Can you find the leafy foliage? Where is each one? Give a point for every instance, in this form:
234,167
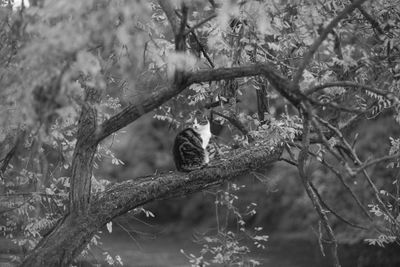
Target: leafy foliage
54,53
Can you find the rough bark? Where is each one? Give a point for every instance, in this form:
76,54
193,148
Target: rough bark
85,148
73,233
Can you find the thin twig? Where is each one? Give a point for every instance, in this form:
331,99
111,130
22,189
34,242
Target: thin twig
334,212
375,161
191,29
291,162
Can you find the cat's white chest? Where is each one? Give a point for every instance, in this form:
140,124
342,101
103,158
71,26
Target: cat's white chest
205,137
204,131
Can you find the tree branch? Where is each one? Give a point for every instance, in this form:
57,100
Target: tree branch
302,161
371,20
82,159
314,47
334,212
236,123
133,193
172,18
10,154
73,232
360,163
191,29
375,161
155,99
386,94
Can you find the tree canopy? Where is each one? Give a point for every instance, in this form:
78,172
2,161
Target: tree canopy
74,73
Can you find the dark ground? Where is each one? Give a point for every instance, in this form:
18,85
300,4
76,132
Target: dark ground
162,249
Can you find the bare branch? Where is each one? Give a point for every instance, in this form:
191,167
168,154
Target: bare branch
309,55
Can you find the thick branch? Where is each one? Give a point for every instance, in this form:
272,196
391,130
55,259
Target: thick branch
82,160
172,18
73,232
135,111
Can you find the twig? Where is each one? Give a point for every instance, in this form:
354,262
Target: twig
375,161
291,162
235,122
191,29
346,186
333,212
203,50
201,46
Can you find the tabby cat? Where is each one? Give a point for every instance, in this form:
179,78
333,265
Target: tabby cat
190,147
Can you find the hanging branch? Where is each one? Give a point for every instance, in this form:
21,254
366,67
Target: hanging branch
302,160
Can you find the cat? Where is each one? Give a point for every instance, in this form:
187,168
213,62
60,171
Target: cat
190,147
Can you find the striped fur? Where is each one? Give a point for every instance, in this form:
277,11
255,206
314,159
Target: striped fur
188,151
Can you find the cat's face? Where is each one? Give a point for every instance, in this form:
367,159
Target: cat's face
201,125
